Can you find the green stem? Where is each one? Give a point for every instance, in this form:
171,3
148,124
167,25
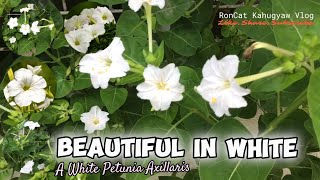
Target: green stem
312,66
27,135
55,59
48,142
5,109
149,22
177,123
188,13
308,67
295,105
138,71
278,103
247,79
25,17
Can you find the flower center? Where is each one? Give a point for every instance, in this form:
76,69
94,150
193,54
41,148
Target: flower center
213,100
96,121
107,62
227,84
104,17
77,42
162,86
26,87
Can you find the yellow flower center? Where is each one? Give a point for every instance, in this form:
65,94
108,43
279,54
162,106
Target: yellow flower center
77,42
213,100
96,121
162,86
227,84
26,87
104,17
108,62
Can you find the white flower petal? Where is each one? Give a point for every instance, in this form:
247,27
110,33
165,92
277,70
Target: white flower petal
161,86
219,87
41,166
12,23
32,125
135,5
27,168
25,29
35,28
79,40
159,3
94,120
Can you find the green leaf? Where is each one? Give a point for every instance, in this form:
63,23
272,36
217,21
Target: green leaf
64,86
191,99
172,11
109,2
315,164
87,99
258,33
159,55
208,48
77,110
192,175
77,9
203,15
113,98
133,32
287,37
25,46
154,126
235,169
81,81
314,102
250,111
60,41
50,115
183,38
168,115
276,82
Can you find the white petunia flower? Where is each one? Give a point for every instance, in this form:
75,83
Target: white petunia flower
161,86
26,9
95,30
31,125
27,168
89,13
35,70
31,6
25,29
76,22
106,64
135,5
12,40
41,166
12,23
79,40
219,87
35,28
95,119
103,15
27,88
